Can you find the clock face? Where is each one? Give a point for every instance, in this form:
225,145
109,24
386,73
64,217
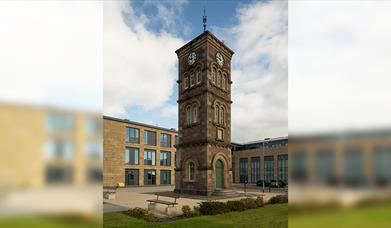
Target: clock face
219,59
191,58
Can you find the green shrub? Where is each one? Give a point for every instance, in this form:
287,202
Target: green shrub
259,201
196,211
213,208
249,203
140,213
236,205
187,211
279,199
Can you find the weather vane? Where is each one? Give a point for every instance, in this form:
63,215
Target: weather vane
204,19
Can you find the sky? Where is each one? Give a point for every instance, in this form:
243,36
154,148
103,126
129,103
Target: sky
140,64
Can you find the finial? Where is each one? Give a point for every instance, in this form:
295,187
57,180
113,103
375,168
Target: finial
204,19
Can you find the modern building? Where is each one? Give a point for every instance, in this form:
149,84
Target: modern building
44,146
260,160
353,159
137,154
204,162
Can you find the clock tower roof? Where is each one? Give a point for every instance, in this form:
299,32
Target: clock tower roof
204,34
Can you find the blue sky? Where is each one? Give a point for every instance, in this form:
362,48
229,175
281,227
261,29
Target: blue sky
140,64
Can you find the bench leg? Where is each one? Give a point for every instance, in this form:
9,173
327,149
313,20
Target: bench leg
170,211
151,206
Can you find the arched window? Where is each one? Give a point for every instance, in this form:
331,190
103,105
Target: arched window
219,79
188,115
224,82
221,120
186,82
216,113
192,79
195,113
191,171
198,76
214,75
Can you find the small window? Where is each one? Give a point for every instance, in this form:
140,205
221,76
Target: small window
214,75
150,138
192,80
191,171
131,156
132,135
199,76
165,158
188,115
216,113
195,113
219,79
221,119
224,82
220,134
149,157
186,82
165,140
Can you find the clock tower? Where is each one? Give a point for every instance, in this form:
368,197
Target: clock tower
203,158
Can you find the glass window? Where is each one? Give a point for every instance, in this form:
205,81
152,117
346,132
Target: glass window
186,82
165,177
269,168
198,76
192,80
93,125
353,166
299,166
165,140
132,135
243,164
324,166
149,177
149,157
219,79
224,82
217,113
282,163
60,122
188,115
58,174
59,149
221,119
131,176
214,75
381,165
191,171
94,149
131,156
150,138
255,169
165,158
195,113
220,134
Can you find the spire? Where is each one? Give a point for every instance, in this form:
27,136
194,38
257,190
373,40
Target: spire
204,19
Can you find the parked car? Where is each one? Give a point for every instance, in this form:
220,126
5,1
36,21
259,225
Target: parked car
277,184
259,183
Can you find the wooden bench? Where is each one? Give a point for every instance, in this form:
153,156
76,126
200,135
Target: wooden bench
170,210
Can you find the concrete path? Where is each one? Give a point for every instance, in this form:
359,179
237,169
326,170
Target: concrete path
127,198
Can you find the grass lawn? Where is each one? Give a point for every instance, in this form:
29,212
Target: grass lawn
275,215
45,222
365,216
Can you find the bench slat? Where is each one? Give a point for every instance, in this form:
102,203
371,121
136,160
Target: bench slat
162,202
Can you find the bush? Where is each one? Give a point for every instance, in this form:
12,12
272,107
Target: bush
196,211
140,213
187,211
213,208
236,205
259,201
249,203
279,199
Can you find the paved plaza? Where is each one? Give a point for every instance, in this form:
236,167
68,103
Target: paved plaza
127,198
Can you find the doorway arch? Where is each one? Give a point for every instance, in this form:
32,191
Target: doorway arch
219,174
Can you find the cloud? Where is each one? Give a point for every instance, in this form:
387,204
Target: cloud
51,54
139,65
339,64
259,71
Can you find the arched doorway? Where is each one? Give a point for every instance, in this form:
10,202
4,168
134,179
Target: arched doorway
219,171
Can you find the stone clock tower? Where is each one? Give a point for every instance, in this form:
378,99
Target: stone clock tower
203,158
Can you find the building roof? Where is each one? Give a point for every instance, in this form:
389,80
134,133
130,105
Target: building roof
201,35
138,123
262,140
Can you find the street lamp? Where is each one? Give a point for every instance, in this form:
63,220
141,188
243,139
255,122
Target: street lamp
263,157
